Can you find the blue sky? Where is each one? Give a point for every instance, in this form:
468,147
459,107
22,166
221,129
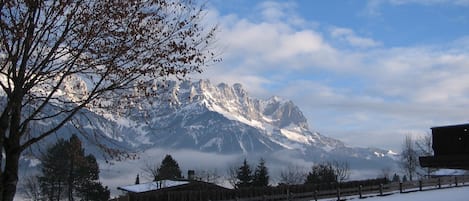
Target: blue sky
367,72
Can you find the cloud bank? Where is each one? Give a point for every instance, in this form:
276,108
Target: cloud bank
350,86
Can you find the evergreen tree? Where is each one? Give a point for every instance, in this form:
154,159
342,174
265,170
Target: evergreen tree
261,175
404,178
396,178
95,191
322,173
88,185
244,176
169,169
54,180
68,173
137,180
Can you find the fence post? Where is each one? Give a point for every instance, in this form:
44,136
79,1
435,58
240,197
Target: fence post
420,185
315,195
456,180
338,193
439,182
400,187
360,191
381,189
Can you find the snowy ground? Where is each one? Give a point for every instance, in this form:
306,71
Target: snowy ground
447,194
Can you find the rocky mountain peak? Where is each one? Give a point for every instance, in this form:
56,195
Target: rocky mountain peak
222,119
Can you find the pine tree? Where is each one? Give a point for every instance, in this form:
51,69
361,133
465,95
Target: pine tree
322,173
244,176
95,191
68,173
169,169
261,175
396,178
137,180
88,185
54,180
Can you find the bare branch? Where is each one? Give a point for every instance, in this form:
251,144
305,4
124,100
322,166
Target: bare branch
58,58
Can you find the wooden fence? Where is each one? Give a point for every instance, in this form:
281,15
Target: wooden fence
361,191
358,189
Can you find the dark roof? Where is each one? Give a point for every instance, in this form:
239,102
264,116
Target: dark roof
451,126
151,186
447,162
171,185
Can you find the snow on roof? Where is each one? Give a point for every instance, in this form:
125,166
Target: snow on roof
445,172
151,186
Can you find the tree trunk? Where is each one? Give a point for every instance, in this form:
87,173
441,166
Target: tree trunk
70,180
12,147
10,176
4,124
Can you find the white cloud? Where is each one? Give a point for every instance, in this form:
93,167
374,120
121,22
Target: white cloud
365,91
431,2
373,6
349,36
274,10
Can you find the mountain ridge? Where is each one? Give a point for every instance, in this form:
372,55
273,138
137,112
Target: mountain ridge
225,119
219,119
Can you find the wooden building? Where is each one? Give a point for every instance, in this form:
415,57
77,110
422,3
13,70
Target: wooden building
172,190
450,146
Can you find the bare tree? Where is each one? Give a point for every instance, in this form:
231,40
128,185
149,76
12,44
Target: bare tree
150,170
386,173
424,148
341,169
113,52
232,175
293,175
31,187
409,157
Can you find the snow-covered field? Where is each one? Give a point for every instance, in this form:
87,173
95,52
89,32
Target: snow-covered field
447,194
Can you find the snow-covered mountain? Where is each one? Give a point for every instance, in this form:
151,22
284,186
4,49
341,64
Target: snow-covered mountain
206,126
224,119
220,119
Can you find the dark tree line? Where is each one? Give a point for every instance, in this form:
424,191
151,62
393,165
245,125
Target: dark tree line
321,173
328,172
67,173
246,177
169,169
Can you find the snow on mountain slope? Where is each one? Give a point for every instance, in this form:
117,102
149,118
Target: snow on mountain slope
226,120
218,119
200,114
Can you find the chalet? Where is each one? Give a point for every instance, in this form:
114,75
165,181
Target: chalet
172,190
450,146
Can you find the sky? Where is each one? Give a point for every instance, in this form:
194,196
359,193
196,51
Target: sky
367,72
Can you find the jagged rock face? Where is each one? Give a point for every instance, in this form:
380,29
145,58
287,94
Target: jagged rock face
224,119
220,119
